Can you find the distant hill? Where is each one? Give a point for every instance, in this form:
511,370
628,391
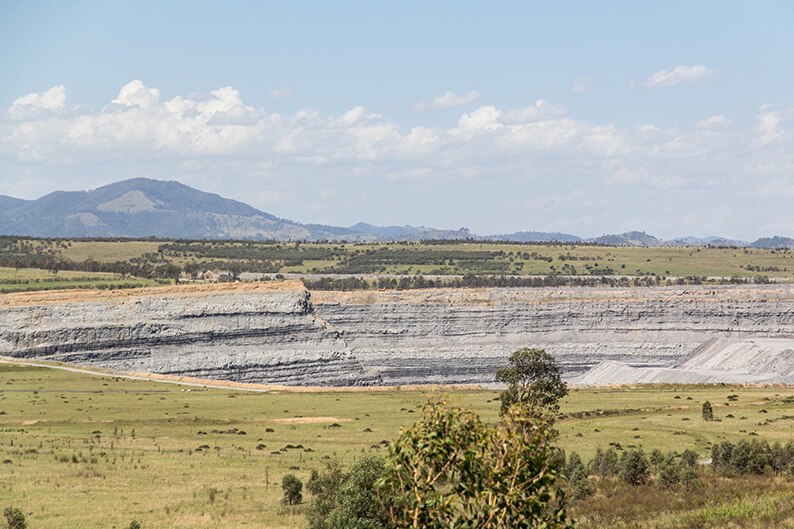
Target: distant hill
705,241
411,233
534,236
630,238
773,242
9,203
142,207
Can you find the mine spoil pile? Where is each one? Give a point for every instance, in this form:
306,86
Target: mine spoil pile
279,333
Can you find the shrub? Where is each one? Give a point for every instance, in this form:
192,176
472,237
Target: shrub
292,487
708,411
691,479
350,499
669,472
574,463
580,486
15,518
689,457
634,469
604,463
656,458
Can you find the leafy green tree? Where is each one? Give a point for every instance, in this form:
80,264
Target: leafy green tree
533,379
292,487
634,468
134,525
574,463
345,500
721,456
689,457
324,487
604,463
580,485
708,411
15,518
691,479
576,474
452,470
669,472
656,458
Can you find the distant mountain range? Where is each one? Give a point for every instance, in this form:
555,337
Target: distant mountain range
142,207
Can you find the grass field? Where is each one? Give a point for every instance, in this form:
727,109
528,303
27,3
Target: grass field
25,279
97,452
109,251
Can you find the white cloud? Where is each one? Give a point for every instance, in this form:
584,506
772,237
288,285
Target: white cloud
135,94
678,75
452,100
279,93
34,103
579,85
768,122
712,122
482,120
531,151
541,111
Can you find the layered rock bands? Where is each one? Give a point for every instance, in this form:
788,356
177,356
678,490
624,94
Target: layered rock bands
280,333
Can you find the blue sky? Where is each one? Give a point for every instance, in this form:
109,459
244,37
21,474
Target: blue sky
586,117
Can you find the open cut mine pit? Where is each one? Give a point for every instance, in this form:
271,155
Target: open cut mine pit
280,333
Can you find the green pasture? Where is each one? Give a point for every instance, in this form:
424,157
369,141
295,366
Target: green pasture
517,259
459,258
98,451
29,279
108,251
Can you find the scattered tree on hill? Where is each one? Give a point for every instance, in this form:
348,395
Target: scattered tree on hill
533,379
292,487
708,411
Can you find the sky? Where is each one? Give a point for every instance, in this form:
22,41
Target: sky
584,117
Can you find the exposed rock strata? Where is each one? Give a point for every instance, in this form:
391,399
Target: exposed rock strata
464,335
278,334
256,333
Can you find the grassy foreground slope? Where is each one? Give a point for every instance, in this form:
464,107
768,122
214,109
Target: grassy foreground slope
97,452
